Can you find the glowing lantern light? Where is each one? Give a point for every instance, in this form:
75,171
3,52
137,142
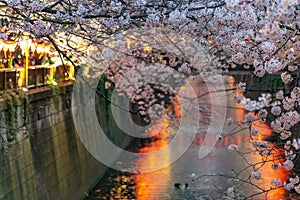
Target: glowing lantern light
1,44
147,49
128,43
22,45
5,47
25,45
47,48
111,46
33,47
11,46
40,48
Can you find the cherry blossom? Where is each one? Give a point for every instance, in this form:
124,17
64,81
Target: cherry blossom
279,95
288,186
294,180
295,95
285,135
275,167
288,165
286,78
287,145
238,98
254,132
276,182
233,148
230,192
249,118
276,110
262,114
256,175
229,122
296,143
273,66
292,68
297,188
241,87
288,103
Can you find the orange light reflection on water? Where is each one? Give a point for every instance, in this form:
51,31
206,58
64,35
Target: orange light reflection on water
268,173
145,187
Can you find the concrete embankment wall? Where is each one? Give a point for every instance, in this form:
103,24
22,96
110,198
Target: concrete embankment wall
50,162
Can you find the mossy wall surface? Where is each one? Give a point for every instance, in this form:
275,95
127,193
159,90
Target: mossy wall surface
50,162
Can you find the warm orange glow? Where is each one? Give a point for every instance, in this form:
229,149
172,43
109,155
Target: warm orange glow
47,48
10,46
111,46
71,71
25,44
128,43
172,39
33,46
242,140
249,40
144,181
40,48
177,110
268,173
93,48
21,78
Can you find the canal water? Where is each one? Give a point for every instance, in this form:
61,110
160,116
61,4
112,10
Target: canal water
190,177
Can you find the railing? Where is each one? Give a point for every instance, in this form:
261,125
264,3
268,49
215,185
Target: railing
15,78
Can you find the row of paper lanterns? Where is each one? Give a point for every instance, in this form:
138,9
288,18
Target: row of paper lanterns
23,44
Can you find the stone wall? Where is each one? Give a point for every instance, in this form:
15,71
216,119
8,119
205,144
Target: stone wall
50,162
